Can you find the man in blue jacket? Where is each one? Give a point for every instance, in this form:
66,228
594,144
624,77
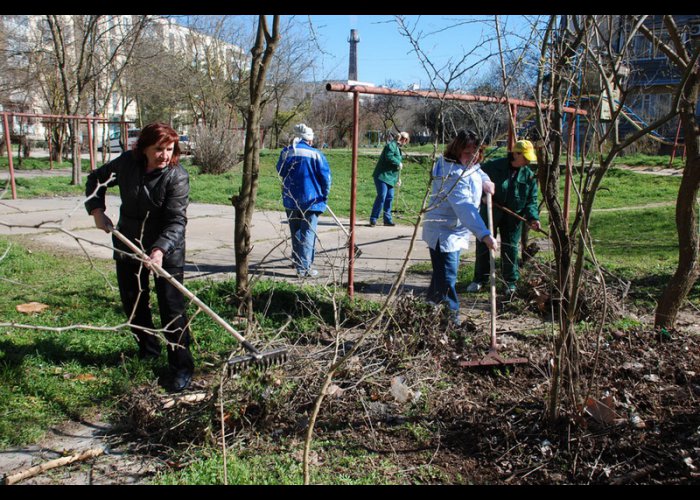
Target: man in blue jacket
306,183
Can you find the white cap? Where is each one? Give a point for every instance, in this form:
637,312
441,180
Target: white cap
304,132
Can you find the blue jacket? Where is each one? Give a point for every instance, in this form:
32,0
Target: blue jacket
453,212
306,178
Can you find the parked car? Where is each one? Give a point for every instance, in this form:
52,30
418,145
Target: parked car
115,142
186,146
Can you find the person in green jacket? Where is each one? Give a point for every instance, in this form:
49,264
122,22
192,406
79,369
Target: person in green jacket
516,190
386,176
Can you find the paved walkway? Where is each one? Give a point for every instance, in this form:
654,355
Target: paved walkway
57,222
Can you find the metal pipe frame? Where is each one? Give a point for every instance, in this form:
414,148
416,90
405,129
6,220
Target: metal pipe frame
363,89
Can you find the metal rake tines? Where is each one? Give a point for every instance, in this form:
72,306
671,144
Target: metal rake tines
262,360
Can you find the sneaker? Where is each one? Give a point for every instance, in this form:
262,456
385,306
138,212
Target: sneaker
308,273
390,223
372,223
474,287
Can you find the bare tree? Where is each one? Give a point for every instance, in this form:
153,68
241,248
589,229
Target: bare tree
683,57
262,52
581,56
83,47
291,95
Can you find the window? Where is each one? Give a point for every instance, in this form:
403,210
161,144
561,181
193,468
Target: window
641,47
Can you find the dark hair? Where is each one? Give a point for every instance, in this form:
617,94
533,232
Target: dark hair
464,138
157,133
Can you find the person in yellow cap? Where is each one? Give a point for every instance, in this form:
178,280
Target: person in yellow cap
516,190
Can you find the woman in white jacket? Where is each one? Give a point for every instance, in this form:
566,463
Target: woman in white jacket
453,214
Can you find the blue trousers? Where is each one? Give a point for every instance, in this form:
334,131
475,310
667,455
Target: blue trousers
385,196
444,279
303,225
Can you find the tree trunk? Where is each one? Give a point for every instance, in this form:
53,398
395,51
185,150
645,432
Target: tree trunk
688,268
244,203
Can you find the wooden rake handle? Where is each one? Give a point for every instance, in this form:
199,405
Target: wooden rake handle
171,279
519,217
492,273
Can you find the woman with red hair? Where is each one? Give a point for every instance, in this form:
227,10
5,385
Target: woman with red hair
154,191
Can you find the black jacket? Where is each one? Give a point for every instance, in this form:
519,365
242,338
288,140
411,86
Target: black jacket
153,212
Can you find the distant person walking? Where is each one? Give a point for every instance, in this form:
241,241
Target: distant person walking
457,183
516,190
306,183
386,177
154,191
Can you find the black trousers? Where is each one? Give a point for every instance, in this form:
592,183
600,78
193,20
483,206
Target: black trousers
133,280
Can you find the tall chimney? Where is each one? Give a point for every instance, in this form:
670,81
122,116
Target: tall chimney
354,40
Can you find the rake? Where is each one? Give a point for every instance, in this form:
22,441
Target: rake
255,358
357,249
492,358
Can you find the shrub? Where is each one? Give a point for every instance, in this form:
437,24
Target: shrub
216,148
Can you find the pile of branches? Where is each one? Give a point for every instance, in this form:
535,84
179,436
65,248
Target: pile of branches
601,296
403,368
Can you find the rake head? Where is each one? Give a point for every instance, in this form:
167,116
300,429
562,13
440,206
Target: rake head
262,360
492,359
358,252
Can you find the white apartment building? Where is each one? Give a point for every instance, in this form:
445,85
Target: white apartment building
26,44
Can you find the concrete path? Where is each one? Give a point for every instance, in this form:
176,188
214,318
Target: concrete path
62,223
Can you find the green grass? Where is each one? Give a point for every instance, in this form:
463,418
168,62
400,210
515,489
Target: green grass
339,465
641,159
49,376
621,188
43,164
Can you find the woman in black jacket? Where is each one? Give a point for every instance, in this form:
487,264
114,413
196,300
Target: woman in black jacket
154,191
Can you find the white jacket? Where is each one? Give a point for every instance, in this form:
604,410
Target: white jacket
453,211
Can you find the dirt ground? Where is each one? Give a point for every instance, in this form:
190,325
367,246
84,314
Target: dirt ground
436,421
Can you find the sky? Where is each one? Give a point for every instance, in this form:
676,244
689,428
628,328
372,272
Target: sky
385,54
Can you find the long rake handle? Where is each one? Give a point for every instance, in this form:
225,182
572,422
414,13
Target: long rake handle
356,249
171,279
337,221
492,274
519,217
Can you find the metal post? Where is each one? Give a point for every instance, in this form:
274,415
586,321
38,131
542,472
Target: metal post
353,191
8,143
90,145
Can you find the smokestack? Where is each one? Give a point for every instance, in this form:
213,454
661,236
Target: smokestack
354,40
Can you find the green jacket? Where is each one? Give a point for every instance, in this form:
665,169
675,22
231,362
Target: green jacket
521,198
387,169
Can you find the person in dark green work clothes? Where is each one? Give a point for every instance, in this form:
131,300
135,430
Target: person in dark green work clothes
386,176
516,190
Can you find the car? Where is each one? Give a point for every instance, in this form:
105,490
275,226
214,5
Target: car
186,146
115,143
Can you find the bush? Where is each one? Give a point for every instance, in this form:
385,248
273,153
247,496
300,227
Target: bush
216,149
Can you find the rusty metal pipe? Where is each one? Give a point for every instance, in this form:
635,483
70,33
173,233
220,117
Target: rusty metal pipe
363,89
8,143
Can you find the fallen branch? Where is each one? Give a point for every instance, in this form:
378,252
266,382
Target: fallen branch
635,475
52,464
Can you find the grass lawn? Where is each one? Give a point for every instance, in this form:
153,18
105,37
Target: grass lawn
48,376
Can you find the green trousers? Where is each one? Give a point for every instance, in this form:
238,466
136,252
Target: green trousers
509,228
